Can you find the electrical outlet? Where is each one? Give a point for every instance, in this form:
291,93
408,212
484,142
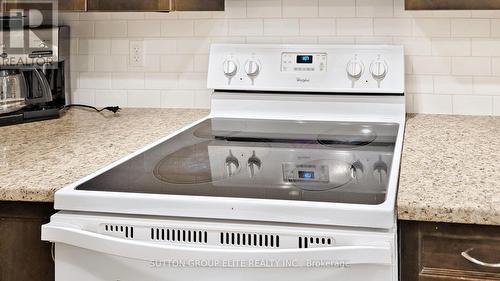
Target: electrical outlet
136,53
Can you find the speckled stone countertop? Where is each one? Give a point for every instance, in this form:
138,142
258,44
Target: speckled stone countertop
37,159
450,170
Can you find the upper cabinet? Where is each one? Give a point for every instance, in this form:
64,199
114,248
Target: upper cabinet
126,5
452,4
129,5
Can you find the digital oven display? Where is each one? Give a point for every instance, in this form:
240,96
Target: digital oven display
304,59
306,175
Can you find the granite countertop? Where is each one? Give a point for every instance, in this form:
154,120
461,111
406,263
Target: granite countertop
450,170
37,159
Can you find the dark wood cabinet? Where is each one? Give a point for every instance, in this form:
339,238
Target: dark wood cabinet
452,4
23,256
123,5
433,251
199,5
129,5
73,5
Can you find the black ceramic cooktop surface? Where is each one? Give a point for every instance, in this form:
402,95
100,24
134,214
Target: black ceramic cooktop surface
320,161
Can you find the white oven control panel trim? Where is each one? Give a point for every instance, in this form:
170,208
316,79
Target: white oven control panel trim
350,69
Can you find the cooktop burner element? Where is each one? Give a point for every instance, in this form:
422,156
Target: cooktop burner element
188,165
267,159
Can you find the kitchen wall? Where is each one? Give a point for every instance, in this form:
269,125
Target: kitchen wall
452,57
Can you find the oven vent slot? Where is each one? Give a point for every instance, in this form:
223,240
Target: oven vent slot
249,239
314,242
179,235
120,230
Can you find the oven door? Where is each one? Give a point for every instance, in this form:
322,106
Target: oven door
82,255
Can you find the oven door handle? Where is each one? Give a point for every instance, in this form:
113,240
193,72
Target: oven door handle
140,250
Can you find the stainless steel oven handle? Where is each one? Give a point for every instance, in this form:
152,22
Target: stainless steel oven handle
468,257
141,250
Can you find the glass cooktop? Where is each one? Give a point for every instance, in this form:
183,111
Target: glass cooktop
319,161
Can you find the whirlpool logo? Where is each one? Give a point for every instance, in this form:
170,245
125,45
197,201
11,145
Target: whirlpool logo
303,80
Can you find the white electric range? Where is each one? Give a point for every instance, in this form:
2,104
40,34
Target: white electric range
292,176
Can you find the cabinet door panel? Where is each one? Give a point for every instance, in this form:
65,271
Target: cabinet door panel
199,5
452,4
433,251
72,5
128,5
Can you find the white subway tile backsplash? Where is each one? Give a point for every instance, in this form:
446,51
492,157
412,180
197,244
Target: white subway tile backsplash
94,46
264,8
83,96
127,80
178,98
177,63
451,47
281,27
353,27
452,85
160,46
317,27
300,8
415,46
144,98
107,63
432,104
374,8
246,27
110,29
81,29
177,28
487,85
470,27
143,28
193,81
160,81
471,66
120,46
94,80
211,27
431,65
420,84
473,105
452,57
496,106
111,98
81,63
485,47
431,27
392,27
337,8
193,46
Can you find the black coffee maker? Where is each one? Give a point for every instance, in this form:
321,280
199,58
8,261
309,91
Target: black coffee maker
34,73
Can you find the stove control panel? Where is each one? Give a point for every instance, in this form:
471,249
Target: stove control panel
350,69
300,62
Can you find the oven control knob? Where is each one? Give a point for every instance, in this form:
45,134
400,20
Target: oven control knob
230,68
379,69
252,68
232,164
254,165
355,69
